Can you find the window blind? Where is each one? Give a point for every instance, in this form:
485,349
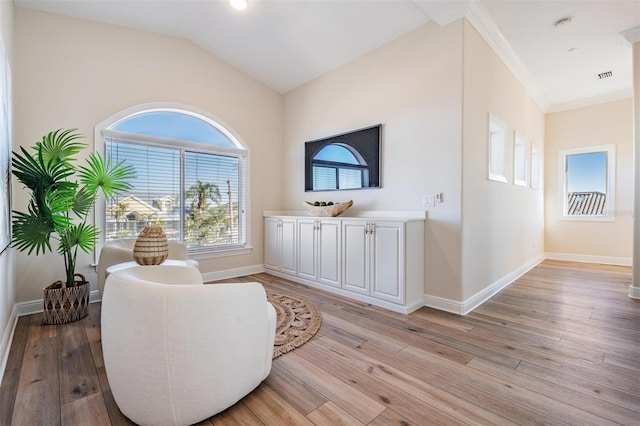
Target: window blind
197,197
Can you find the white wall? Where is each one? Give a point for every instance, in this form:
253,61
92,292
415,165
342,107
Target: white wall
502,222
604,124
76,73
413,86
7,275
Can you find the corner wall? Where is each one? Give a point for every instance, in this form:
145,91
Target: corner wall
602,242
502,223
75,73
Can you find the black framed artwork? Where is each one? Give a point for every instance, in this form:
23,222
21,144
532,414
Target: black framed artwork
346,161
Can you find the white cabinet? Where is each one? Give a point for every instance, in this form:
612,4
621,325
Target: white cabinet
319,250
373,259
377,261
280,244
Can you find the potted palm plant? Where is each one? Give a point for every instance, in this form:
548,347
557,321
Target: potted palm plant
62,196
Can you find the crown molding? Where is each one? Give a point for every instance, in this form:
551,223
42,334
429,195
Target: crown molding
478,16
595,100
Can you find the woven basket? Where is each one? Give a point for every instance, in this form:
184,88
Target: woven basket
329,211
68,304
151,247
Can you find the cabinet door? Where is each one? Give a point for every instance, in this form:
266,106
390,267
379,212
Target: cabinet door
387,254
271,244
288,246
355,251
307,248
329,252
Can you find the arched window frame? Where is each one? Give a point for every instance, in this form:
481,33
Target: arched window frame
104,131
337,166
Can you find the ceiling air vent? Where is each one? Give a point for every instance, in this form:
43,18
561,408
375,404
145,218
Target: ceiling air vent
605,75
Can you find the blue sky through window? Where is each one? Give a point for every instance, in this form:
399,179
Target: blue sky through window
587,172
336,153
173,125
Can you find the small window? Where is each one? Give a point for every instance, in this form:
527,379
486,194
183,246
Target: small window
519,160
497,150
588,185
536,168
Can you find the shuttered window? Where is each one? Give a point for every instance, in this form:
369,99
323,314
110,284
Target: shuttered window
190,180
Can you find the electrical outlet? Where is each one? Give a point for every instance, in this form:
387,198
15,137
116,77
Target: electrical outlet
438,197
428,201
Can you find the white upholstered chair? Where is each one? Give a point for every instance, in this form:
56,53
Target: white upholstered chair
177,352
121,251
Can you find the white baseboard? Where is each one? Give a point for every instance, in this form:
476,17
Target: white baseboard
585,258
443,304
35,306
232,273
7,338
634,292
466,306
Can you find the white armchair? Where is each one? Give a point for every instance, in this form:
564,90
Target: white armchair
121,251
177,352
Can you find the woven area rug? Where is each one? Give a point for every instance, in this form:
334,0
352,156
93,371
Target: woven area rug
298,321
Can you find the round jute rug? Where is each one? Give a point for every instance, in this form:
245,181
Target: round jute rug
298,321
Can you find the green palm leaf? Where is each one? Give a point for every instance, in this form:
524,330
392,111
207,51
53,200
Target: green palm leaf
81,235
103,175
60,146
34,173
59,202
31,232
83,200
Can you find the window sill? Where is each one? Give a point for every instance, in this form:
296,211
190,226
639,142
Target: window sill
587,218
213,254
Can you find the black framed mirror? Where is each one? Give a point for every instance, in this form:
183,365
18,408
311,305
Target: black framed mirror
344,162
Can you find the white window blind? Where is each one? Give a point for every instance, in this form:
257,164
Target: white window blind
197,197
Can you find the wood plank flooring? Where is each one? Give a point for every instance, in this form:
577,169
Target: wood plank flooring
559,346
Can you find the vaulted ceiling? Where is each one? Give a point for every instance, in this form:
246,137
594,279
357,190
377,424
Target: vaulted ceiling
556,48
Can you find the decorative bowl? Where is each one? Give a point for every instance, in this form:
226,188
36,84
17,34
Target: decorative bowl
328,211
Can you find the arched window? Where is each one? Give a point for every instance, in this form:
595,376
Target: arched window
190,177
339,166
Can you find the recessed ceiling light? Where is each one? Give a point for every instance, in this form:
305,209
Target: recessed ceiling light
563,21
238,4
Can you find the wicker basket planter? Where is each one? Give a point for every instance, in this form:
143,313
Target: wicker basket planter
328,211
68,304
151,247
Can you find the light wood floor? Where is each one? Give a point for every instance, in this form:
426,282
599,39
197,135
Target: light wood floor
559,346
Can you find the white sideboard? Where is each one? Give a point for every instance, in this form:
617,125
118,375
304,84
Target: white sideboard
377,260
